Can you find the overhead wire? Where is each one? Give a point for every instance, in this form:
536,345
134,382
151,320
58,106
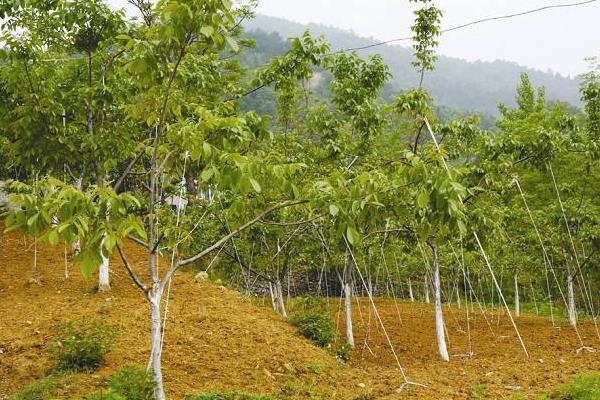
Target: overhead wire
401,39
476,22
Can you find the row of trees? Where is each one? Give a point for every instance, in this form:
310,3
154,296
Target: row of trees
109,126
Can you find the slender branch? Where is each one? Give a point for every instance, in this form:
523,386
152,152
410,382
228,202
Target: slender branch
579,270
138,240
131,272
416,143
109,64
242,264
386,231
232,234
121,179
294,234
160,238
306,221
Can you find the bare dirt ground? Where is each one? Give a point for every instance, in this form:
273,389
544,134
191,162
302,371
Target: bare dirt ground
218,340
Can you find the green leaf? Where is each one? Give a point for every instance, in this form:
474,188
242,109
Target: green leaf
422,199
207,30
53,237
255,185
333,210
207,174
233,43
32,219
109,243
352,235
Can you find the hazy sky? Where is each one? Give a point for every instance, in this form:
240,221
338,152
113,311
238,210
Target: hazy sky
557,39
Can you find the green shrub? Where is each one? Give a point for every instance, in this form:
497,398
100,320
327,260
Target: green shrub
133,383
81,345
317,327
342,352
228,396
40,389
584,387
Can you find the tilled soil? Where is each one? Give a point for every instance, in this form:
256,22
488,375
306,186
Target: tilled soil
216,340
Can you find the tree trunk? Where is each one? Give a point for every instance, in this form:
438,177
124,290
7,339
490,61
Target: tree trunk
426,289
76,246
517,300
156,339
458,299
571,300
347,282
190,186
280,302
273,303
103,274
439,316
410,291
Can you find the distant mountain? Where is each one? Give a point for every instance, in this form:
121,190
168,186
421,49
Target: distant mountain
458,84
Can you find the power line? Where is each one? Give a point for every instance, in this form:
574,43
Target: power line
453,28
476,22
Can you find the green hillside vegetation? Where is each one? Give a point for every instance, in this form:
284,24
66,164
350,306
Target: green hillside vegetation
455,83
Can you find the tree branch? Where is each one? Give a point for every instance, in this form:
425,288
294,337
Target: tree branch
307,221
130,271
121,179
232,234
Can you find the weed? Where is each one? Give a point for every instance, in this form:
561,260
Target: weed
317,327
40,389
133,383
315,367
342,352
584,387
81,345
479,391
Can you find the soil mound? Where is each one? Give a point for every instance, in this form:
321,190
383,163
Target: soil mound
217,340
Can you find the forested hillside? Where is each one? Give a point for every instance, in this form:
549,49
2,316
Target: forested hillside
457,84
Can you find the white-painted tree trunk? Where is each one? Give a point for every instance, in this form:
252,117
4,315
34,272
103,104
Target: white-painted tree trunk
517,300
103,273
426,288
156,339
439,316
571,300
273,303
347,278
410,291
280,302
76,246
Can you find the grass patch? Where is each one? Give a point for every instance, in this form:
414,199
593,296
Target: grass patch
81,345
584,387
40,389
479,391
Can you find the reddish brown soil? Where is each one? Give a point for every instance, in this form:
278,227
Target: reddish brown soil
218,340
